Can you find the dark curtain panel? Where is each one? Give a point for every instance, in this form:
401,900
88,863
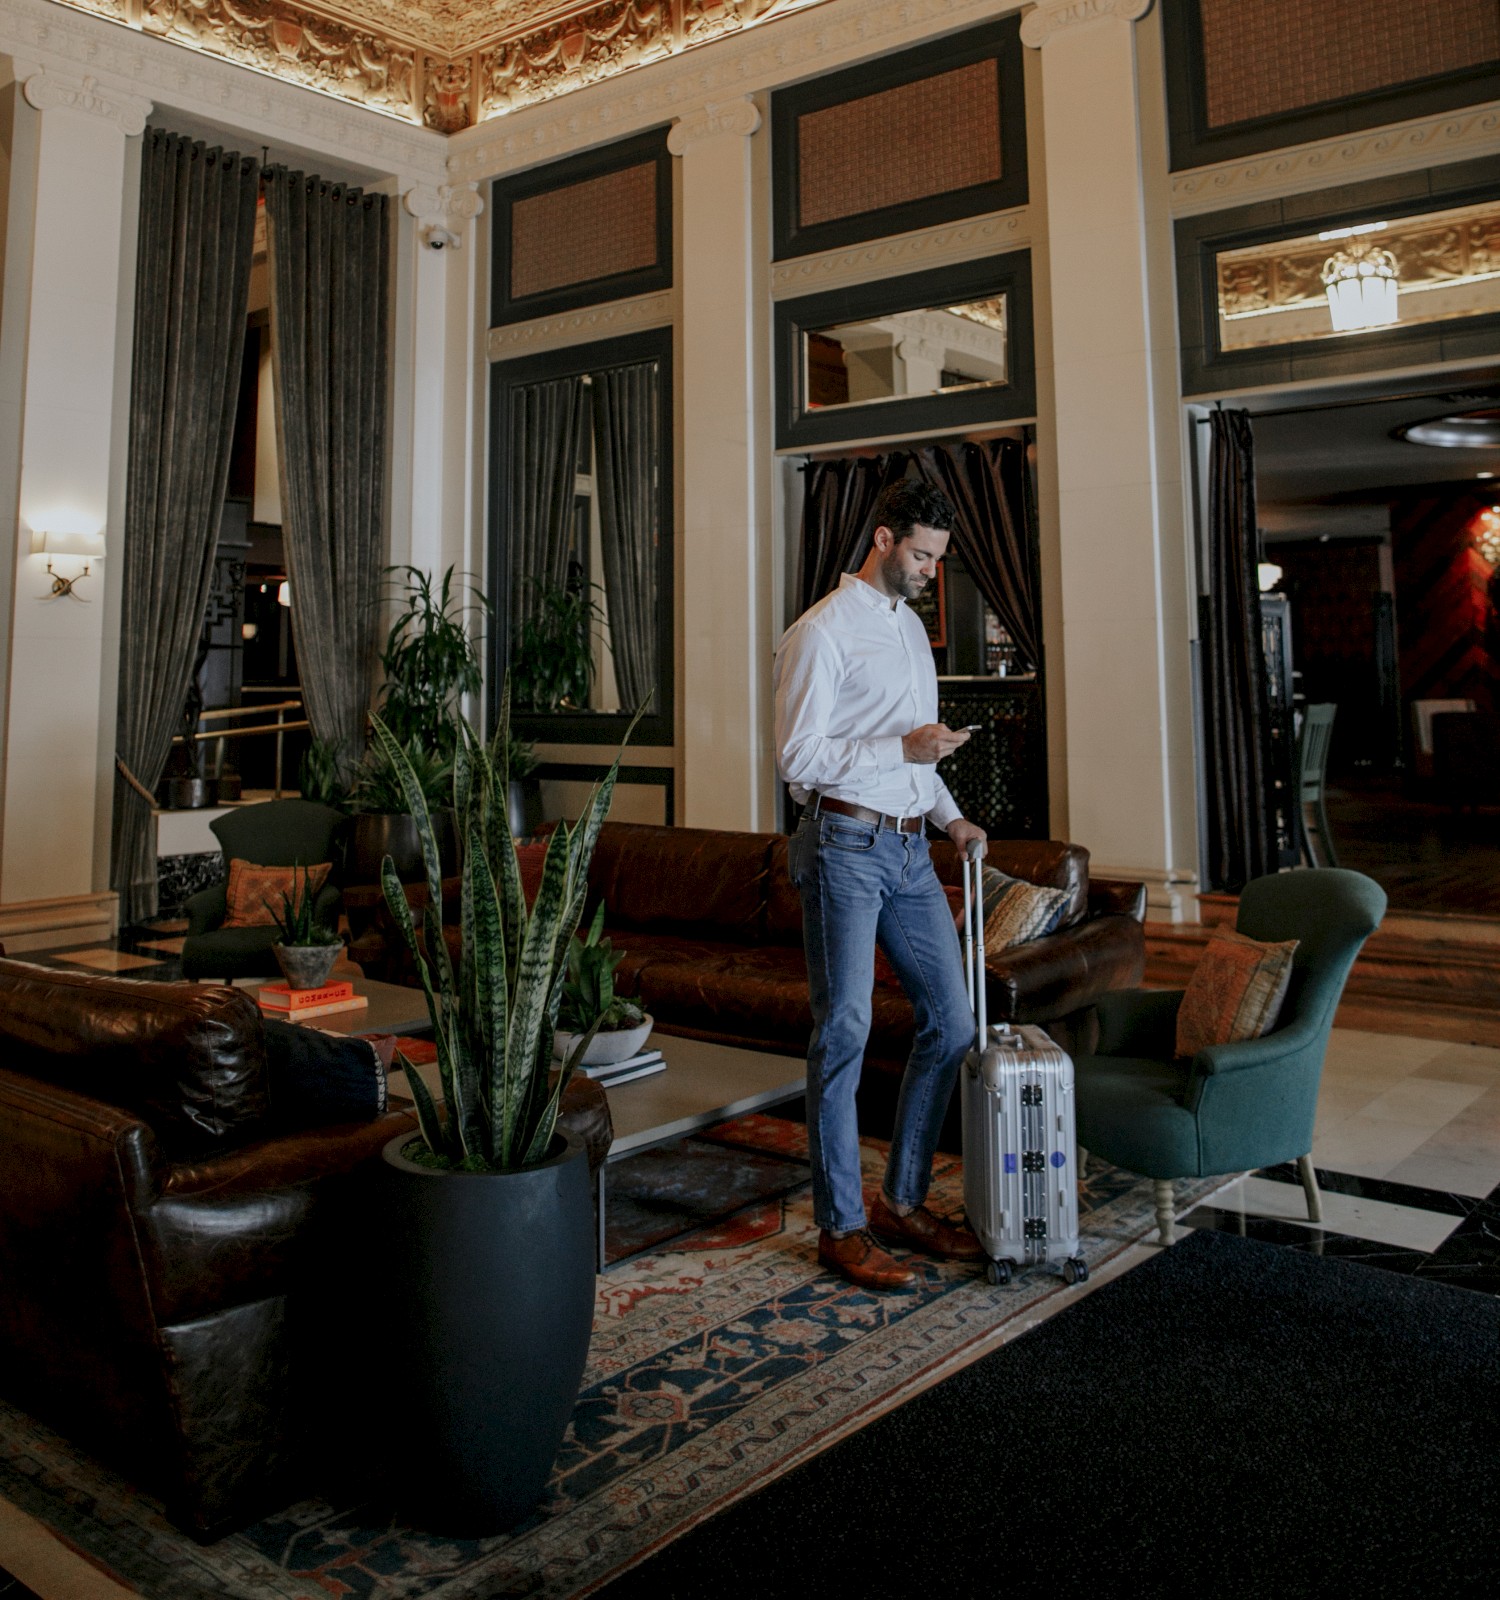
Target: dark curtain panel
1236,705
839,497
542,469
329,255
627,446
994,538
197,229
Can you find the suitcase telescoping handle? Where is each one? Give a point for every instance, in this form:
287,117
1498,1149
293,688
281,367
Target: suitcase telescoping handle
974,940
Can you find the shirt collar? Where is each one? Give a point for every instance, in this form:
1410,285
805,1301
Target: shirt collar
868,593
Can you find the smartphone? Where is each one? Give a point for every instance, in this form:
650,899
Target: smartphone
973,727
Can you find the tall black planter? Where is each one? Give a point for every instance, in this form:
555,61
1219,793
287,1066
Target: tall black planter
374,835
484,1307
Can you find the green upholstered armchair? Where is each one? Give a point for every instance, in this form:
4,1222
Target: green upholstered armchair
1232,1107
276,833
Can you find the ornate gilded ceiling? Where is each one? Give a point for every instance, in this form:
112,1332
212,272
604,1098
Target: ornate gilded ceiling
444,63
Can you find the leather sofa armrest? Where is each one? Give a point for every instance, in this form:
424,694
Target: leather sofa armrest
301,1157
1117,897
206,910
1051,977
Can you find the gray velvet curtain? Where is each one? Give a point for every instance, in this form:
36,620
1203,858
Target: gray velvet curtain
836,507
542,471
329,255
627,425
1241,840
197,230
995,536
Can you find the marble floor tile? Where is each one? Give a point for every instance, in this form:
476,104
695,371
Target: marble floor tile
171,946
1424,1102
1464,1063
1352,1215
1353,1048
1367,1146
105,960
1465,1160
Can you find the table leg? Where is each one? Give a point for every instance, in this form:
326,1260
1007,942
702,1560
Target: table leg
599,1219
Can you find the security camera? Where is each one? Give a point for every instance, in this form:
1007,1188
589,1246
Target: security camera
440,239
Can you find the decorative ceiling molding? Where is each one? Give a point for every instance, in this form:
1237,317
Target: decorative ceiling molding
970,240
801,44
1052,17
578,327
739,118
66,41
1349,158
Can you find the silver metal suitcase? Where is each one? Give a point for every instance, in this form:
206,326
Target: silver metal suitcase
1020,1152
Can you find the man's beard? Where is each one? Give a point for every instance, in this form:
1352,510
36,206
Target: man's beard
898,581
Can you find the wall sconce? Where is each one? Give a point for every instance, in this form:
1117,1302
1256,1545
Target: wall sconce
89,547
284,594
1268,575
1487,536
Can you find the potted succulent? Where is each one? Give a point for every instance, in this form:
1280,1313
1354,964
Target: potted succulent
486,1217
307,948
382,826
589,1003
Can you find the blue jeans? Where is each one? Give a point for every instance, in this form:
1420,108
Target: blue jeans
862,885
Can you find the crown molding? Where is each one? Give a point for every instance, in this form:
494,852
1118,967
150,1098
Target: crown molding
1349,158
1052,17
46,91
740,117
579,327
969,240
780,50
68,44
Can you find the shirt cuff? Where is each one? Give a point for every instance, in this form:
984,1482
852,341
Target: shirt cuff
888,752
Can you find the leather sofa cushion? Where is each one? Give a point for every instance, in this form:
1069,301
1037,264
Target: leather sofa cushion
188,1059
681,880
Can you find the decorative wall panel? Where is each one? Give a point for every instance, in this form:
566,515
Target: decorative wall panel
999,778
595,229
919,139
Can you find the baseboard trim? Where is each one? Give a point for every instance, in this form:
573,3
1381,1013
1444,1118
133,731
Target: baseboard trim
47,924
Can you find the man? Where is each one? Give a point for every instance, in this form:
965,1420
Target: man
858,741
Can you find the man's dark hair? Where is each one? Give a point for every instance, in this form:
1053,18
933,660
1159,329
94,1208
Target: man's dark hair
909,504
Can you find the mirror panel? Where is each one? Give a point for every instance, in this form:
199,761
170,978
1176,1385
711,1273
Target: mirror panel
903,354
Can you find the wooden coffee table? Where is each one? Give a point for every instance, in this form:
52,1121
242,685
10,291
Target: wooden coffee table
392,1009
704,1084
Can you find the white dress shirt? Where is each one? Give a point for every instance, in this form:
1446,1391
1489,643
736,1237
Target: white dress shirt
853,674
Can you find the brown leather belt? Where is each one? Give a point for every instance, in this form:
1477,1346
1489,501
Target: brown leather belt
821,802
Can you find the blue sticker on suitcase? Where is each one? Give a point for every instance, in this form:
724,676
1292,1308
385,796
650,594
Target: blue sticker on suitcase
1059,1159
1010,1162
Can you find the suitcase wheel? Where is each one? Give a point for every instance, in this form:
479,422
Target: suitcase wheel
1075,1270
997,1272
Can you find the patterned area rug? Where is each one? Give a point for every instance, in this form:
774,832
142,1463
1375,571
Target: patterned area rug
715,1366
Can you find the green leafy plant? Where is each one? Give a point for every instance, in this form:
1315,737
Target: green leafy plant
588,997
494,1016
429,659
298,926
520,757
324,774
379,788
552,661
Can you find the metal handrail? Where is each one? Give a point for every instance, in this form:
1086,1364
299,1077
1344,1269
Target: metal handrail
280,728
249,711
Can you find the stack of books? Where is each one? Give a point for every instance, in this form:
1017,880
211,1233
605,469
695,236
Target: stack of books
297,1005
607,1073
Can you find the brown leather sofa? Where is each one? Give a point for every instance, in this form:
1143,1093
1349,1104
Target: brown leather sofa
710,925
161,1260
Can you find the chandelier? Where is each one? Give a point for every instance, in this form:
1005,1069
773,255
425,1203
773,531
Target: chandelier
1361,283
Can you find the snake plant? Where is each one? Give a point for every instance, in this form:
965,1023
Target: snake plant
493,1018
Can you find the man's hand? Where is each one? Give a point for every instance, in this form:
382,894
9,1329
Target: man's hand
963,834
931,742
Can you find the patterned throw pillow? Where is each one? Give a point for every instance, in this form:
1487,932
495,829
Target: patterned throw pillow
253,891
1235,992
1016,911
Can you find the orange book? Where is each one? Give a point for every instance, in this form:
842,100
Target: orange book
282,997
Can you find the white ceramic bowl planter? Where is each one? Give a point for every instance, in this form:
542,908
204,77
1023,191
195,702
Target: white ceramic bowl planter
605,1048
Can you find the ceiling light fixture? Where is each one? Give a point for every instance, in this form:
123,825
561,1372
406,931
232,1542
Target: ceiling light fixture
1462,430
1361,283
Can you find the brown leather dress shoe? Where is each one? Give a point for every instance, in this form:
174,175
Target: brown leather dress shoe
921,1230
862,1261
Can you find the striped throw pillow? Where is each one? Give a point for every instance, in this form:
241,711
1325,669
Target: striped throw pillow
1016,911
1235,993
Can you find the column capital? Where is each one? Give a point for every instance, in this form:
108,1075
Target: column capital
1056,16
439,204
47,91
724,116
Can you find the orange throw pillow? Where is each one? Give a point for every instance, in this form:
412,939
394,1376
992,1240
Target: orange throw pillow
254,891
1235,992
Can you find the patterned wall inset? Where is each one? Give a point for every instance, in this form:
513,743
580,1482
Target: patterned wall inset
1262,58
999,777
919,139
595,229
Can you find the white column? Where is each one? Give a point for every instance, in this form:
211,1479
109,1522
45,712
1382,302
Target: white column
1125,650
725,679
67,318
